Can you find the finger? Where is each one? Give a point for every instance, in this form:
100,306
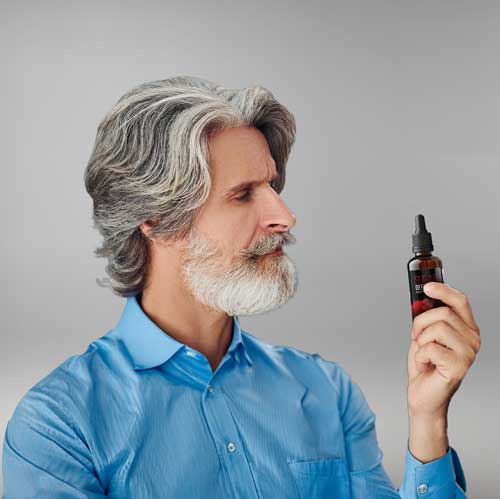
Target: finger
455,299
443,334
413,368
447,314
434,353
449,365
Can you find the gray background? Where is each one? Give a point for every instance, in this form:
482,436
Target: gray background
397,109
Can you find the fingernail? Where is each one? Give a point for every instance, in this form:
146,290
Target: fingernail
428,287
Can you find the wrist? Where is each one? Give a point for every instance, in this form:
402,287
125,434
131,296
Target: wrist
428,437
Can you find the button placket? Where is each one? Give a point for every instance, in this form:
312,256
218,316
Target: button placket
222,426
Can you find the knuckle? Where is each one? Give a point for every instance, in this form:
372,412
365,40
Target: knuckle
462,364
448,312
440,327
477,344
471,355
443,324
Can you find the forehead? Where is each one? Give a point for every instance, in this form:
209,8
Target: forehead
239,154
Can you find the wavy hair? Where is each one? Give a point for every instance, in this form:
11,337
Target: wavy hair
150,161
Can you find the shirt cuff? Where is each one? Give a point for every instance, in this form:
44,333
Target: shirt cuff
437,478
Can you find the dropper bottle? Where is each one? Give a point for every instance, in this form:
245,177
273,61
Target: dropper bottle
423,268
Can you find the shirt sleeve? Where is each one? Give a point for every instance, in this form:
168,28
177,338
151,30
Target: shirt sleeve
442,478
43,453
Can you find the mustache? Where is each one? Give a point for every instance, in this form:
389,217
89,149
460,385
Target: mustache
270,244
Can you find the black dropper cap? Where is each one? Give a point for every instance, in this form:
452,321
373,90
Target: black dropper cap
422,240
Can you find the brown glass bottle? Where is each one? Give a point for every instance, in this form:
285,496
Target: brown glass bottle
422,268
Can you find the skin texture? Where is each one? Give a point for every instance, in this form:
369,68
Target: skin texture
445,342
196,284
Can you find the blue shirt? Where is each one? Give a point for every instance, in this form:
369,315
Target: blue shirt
141,415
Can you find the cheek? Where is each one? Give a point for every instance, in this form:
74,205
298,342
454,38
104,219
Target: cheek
240,231
234,226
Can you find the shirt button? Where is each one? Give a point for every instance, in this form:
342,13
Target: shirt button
422,489
210,388
230,447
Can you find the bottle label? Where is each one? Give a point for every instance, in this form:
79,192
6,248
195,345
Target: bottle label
420,302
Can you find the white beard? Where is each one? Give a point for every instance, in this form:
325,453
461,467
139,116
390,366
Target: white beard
244,286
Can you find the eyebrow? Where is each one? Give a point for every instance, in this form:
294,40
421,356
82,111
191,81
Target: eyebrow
248,184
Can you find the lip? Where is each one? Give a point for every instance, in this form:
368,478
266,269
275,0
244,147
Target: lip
278,251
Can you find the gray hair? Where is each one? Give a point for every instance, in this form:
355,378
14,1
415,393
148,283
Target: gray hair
151,162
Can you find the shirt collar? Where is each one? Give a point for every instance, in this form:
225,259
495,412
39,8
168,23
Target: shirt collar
149,346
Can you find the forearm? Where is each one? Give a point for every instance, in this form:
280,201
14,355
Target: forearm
428,439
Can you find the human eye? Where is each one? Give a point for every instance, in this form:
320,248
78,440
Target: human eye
245,197
248,193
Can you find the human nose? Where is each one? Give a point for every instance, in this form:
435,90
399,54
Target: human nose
277,217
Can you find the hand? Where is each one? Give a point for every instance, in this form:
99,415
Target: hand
445,342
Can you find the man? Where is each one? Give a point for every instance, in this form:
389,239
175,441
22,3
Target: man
177,401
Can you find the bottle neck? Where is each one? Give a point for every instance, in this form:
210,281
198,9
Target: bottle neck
423,253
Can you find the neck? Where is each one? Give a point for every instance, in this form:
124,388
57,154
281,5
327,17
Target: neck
207,331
